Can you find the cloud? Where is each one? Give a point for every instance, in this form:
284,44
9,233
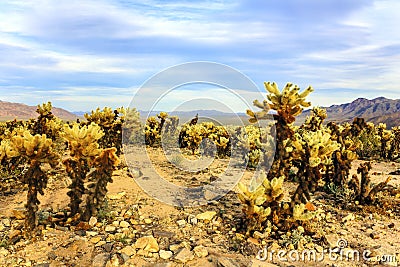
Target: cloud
66,49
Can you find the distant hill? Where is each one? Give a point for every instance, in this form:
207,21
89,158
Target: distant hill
377,110
10,111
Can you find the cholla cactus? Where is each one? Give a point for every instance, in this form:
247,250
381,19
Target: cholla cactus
98,179
363,190
46,123
288,104
394,151
385,137
110,122
37,150
264,208
6,150
311,152
152,131
314,122
84,149
83,140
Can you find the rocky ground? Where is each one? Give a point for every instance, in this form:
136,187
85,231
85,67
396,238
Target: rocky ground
134,229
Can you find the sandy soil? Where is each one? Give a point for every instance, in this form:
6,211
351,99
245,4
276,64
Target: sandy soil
372,228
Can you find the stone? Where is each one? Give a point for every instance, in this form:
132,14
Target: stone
95,240
148,221
175,247
147,243
129,251
349,217
92,221
91,233
116,196
115,223
184,255
374,235
225,262
165,254
4,252
100,260
108,246
124,224
200,251
110,229
206,216
192,219
6,222
181,223
116,260
332,240
14,233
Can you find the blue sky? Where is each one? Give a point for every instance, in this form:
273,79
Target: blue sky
81,54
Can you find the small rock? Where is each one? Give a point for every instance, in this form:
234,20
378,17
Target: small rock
192,219
110,228
14,233
100,243
148,221
91,233
115,223
184,255
116,196
332,240
175,247
6,222
108,246
181,223
225,262
4,252
100,260
124,224
92,221
129,251
206,216
165,254
116,260
61,228
374,235
348,218
95,240
147,243
51,255
200,251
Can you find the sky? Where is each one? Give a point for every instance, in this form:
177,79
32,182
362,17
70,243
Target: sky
83,54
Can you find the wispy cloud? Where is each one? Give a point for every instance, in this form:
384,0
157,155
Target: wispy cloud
64,50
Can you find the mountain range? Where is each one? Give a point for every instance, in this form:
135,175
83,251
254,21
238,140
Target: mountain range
10,111
377,110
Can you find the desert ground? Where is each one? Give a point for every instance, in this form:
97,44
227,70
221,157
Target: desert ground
135,229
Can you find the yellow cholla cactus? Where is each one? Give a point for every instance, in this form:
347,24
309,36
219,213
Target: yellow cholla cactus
103,117
82,140
289,103
44,109
37,147
6,150
300,213
257,196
